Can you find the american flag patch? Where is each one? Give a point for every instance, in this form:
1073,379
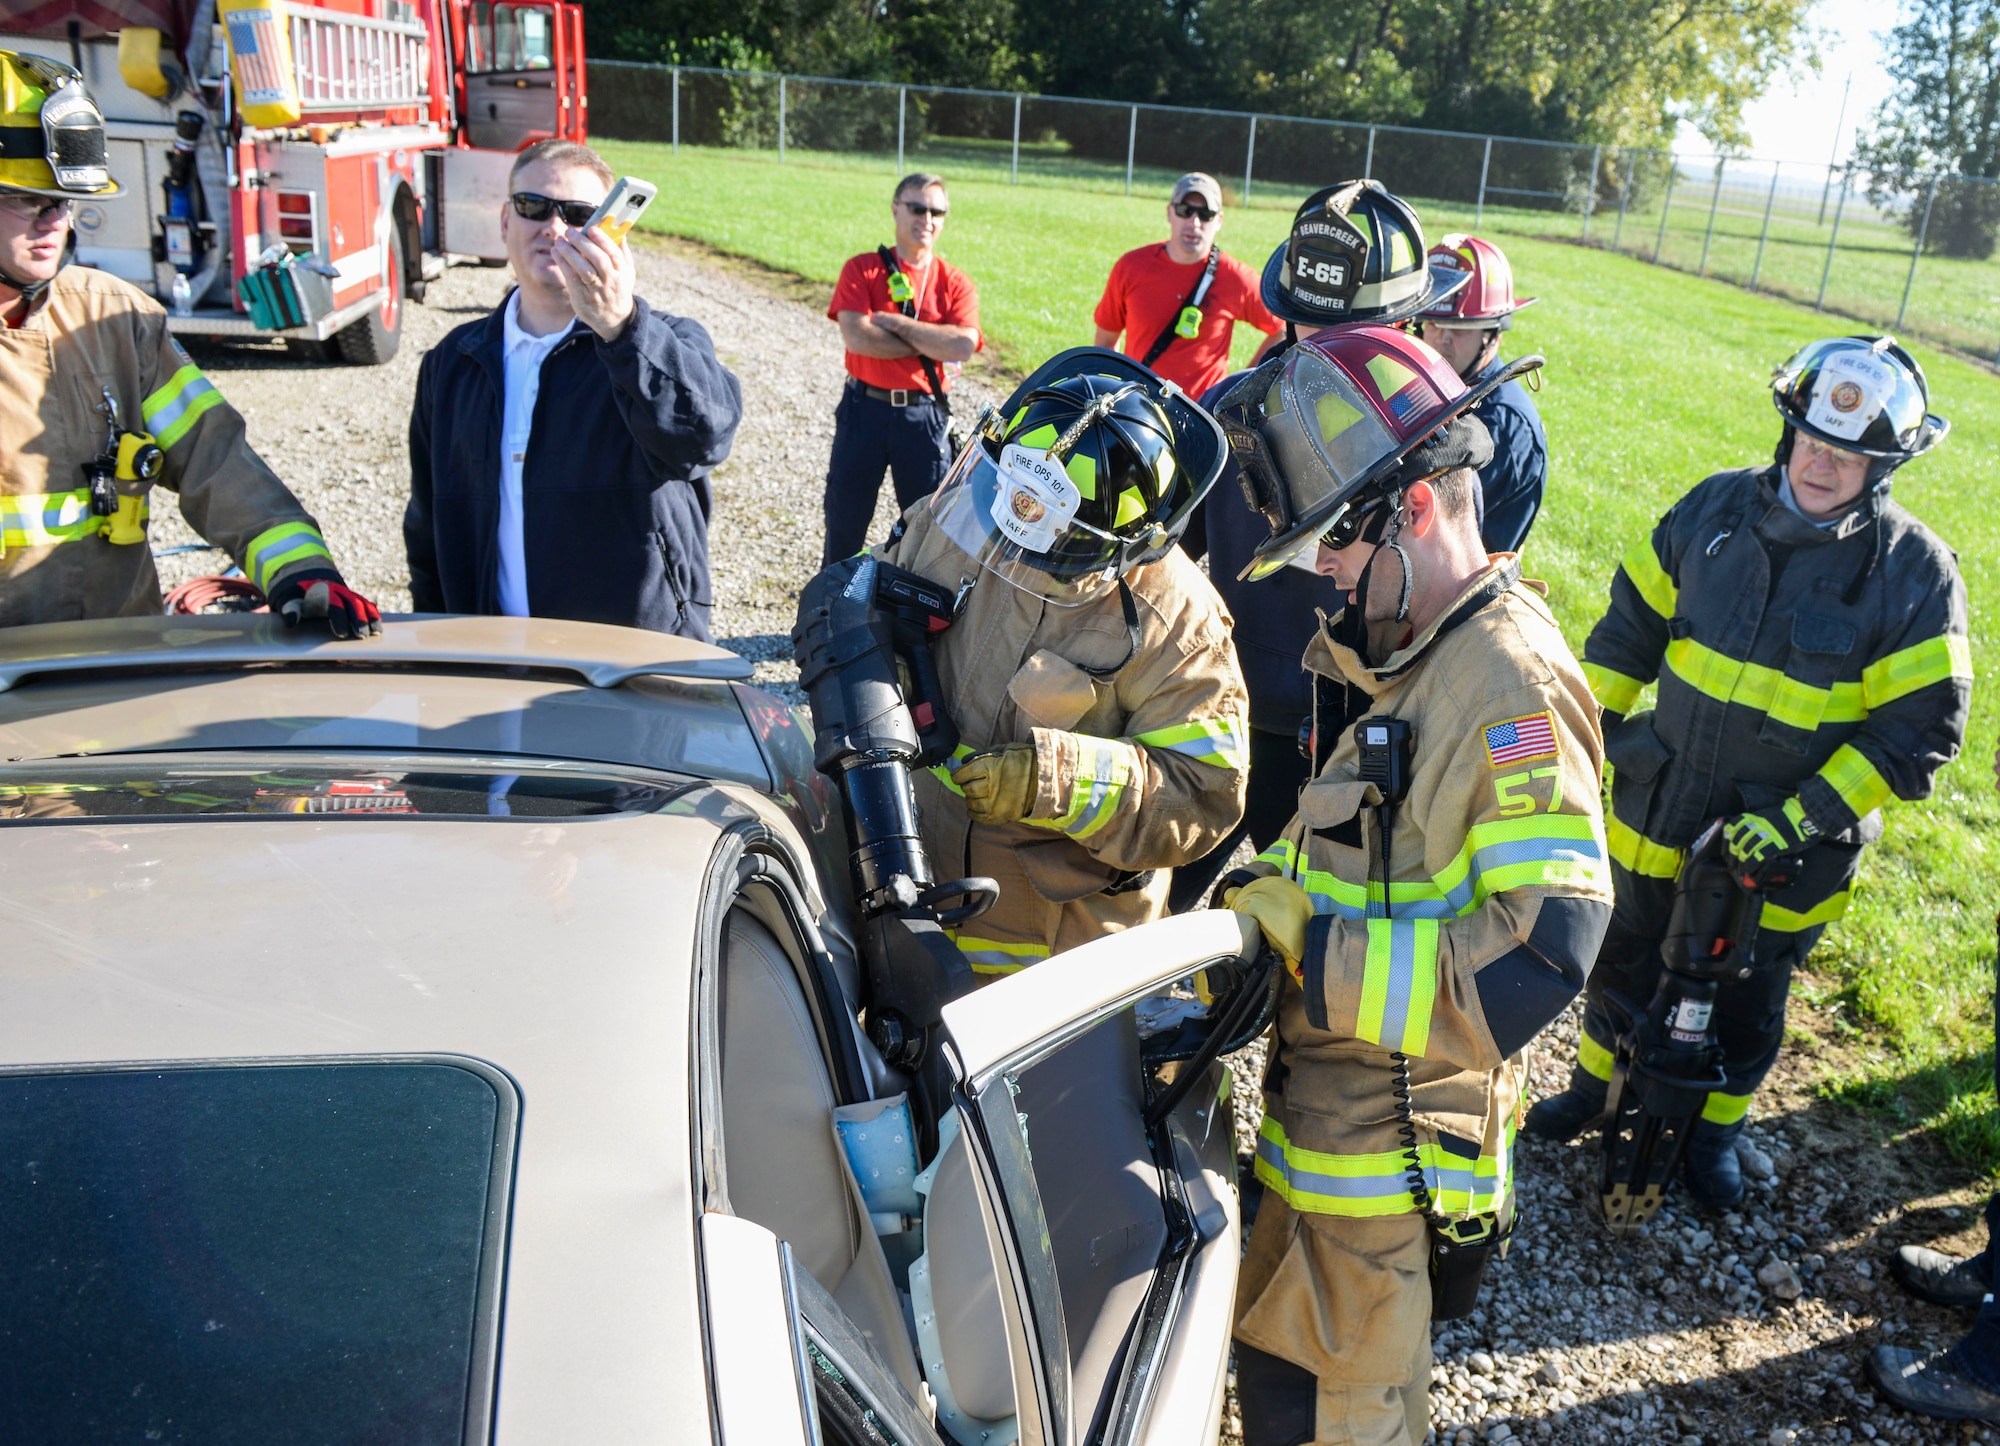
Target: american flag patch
1519,739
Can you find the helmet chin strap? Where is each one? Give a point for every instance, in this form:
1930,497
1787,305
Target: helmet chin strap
1358,634
33,290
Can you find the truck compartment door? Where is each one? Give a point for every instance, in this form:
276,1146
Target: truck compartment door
473,189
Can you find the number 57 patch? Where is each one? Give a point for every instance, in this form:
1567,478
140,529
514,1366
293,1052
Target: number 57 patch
1512,790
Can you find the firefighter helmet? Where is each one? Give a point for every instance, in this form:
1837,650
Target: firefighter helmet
1092,468
1356,253
51,131
1344,419
1859,393
1487,298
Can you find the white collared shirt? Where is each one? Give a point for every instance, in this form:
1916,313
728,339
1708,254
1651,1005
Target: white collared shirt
523,355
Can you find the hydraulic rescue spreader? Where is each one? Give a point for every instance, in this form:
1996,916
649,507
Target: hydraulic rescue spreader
1667,1060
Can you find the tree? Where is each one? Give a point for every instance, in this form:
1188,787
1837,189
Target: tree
1943,117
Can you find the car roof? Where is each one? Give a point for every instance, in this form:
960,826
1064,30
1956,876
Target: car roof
559,951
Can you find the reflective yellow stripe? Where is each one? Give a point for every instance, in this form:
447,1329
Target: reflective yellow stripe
270,552
1593,1058
1399,984
942,771
998,956
1097,790
42,519
1377,1182
1856,780
1615,693
1901,673
177,406
1784,921
1722,1109
1639,853
1796,704
1642,569
1223,742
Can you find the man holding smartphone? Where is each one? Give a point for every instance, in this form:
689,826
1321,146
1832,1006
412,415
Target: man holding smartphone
560,447
907,320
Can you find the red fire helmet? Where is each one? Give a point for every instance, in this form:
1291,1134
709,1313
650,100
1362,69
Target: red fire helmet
1487,299
1328,423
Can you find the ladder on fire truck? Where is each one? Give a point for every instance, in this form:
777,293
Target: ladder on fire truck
346,62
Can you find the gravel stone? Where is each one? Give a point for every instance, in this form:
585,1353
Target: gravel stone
1754,1162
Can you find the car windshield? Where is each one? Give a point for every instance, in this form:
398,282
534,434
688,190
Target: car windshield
290,1252
351,789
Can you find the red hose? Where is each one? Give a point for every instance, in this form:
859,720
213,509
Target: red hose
216,594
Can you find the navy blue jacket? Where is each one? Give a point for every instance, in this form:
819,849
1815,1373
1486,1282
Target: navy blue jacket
614,489
1511,484
1277,617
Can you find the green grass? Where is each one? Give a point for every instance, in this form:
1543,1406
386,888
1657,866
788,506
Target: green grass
1655,379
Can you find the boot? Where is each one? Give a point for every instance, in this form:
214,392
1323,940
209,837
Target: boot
1937,1385
1942,1279
1713,1176
1565,1116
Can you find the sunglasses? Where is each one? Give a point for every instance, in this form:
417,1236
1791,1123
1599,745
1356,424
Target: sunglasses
1348,527
36,208
1185,209
918,208
531,207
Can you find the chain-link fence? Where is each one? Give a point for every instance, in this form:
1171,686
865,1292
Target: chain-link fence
1912,253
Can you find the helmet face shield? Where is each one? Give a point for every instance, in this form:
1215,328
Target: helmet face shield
1016,517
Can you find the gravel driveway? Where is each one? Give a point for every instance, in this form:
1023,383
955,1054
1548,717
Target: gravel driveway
1748,1328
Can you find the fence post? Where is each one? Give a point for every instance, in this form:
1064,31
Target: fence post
677,110
902,111
1667,205
1590,196
1916,251
1764,235
781,120
1624,195
1834,239
1131,146
1249,157
1485,161
1368,166
1014,168
1714,204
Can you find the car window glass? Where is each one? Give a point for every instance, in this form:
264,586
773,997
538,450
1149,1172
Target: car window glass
296,1252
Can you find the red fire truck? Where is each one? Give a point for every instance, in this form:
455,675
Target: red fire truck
356,145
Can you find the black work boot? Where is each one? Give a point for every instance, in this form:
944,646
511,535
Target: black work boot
1942,1279
1936,1385
1714,1177
1565,1116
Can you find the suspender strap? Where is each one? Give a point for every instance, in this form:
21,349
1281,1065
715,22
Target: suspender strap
1195,298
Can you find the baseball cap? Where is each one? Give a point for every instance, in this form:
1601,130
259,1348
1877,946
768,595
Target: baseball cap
1198,183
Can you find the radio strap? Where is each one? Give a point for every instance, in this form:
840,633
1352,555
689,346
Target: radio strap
1193,303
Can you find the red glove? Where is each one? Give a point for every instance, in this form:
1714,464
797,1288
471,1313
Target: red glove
319,595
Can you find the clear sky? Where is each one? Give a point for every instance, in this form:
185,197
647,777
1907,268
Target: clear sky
1794,120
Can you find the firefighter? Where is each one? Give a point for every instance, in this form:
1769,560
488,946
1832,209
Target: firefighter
1436,901
1809,638
1465,329
1090,670
99,404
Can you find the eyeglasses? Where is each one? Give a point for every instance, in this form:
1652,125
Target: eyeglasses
1185,209
918,208
36,208
531,207
1349,525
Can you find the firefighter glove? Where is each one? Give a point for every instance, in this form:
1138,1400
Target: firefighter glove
1282,910
1757,841
320,595
999,784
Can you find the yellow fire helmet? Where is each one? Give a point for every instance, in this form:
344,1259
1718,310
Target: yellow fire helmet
51,131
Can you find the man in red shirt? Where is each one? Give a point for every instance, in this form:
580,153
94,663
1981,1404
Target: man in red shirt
908,321
1178,302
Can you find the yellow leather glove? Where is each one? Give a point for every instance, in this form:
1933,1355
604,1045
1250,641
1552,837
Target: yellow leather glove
1282,910
999,784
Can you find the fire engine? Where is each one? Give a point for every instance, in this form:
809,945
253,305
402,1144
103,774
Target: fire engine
355,146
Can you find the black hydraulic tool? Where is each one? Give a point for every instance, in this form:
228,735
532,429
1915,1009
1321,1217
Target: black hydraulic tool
863,647
1667,1060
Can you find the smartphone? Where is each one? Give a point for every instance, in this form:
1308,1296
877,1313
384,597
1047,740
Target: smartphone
621,209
